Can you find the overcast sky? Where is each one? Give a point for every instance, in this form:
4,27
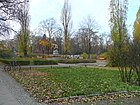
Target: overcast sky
44,9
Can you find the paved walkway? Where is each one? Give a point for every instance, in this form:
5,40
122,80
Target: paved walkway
6,97
12,93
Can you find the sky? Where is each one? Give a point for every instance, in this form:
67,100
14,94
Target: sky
98,9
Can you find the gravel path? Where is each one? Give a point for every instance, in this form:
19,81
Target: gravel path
11,93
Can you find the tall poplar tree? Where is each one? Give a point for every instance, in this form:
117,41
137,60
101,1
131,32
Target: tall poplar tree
23,17
135,49
136,31
119,34
118,17
20,42
66,23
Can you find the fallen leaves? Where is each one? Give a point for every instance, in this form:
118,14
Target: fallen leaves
51,85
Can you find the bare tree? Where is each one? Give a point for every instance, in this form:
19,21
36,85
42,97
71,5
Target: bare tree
8,12
59,39
83,39
90,28
77,44
104,42
48,26
66,23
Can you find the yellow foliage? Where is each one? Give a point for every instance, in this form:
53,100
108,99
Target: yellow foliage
136,31
44,43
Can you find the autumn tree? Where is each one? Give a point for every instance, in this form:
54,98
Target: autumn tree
136,31
135,48
66,23
118,17
120,52
23,18
46,45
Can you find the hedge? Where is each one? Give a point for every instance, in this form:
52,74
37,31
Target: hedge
20,62
48,62
45,62
73,61
23,62
5,61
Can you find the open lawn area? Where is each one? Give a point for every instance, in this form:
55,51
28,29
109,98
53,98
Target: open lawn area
51,83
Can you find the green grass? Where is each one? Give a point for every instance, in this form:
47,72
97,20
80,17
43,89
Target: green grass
64,82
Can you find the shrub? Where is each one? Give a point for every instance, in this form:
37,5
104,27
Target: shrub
93,56
84,55
5,54
104,55
45,62
113,61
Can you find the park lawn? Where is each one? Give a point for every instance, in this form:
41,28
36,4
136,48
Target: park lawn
52,83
